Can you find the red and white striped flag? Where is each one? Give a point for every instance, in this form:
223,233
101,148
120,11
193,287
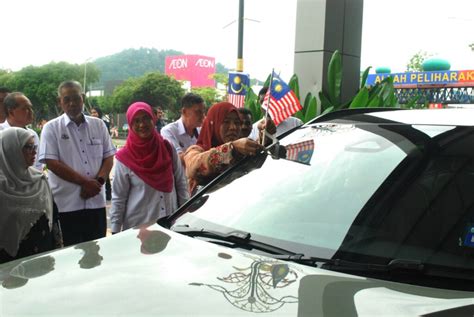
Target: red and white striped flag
300,152
280,100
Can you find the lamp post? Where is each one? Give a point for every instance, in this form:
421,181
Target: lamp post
240,40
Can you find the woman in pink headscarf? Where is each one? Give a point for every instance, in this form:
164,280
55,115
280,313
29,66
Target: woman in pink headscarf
219,145
149,181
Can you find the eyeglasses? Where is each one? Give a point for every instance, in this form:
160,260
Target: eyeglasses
30,147
73,98
142,120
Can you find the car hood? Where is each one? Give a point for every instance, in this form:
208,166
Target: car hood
153,271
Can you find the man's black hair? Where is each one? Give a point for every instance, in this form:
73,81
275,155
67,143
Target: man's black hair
10,101
99,111
191,99
245,111
4,90
263,91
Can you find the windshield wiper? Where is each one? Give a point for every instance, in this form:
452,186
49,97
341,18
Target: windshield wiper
344,265
237,238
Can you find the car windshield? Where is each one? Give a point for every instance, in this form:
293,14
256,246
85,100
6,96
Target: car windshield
363,192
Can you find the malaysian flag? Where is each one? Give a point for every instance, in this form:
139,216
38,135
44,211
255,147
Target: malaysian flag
300,152
237,88
282,100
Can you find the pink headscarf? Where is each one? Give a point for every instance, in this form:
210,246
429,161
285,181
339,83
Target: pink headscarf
210,131
149,159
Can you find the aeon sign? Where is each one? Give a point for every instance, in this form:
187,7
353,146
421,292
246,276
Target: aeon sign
197,69
206,63
179,63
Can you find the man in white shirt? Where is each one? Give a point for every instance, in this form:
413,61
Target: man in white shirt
79,154
184,132
19,113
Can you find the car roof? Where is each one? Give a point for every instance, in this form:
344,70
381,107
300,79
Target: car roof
450,117
458,117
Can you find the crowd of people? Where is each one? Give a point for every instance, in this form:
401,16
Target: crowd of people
54,188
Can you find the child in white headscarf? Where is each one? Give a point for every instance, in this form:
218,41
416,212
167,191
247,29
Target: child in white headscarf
26,202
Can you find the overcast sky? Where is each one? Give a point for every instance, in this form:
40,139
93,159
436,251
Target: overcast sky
38,32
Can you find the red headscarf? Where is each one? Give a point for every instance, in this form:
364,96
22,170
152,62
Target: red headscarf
149,159
210,131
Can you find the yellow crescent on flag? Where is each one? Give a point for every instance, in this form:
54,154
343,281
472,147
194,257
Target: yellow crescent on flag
237,80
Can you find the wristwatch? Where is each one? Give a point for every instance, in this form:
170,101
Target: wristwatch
101,180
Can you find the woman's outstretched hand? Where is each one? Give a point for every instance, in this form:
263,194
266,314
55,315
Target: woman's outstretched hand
247,146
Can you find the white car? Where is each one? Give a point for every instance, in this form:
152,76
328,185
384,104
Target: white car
362,212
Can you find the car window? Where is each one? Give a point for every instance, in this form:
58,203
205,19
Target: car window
312,204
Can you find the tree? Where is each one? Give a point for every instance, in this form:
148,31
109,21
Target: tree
416,61
209,94
132,63
40,84
472,46
156,89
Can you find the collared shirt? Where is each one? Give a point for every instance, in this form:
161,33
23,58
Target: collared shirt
286,125
37,164
135,203
83,148
176,134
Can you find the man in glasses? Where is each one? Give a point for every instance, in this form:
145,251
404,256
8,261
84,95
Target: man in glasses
19,113
78,152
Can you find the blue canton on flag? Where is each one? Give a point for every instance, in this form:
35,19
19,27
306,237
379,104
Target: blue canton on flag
280,100
237,88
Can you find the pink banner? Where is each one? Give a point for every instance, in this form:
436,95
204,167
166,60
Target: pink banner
197,69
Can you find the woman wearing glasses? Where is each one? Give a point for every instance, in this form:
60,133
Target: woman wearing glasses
27,205
149,181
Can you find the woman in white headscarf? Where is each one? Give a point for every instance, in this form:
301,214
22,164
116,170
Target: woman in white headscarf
26,202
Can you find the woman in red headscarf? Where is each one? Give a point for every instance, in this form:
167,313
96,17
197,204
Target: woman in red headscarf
149,181
219,145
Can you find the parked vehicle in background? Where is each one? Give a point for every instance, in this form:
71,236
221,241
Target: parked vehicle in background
359,212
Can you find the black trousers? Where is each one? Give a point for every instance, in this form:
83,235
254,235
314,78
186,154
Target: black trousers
83,225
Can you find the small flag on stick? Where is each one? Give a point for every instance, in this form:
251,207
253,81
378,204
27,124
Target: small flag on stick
300,152
280,100
237,88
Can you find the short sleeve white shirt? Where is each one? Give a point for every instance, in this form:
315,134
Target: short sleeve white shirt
37,164
83,148
176,134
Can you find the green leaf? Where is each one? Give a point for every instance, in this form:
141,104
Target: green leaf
330,109
374,102
294,85
411,103
311,111
325,103
255,109
335,77
299,114
361,99
267,81
364,77
307,99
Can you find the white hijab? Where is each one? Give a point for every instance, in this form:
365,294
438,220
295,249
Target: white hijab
24,191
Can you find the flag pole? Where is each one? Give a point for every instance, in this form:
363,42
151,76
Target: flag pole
268,106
